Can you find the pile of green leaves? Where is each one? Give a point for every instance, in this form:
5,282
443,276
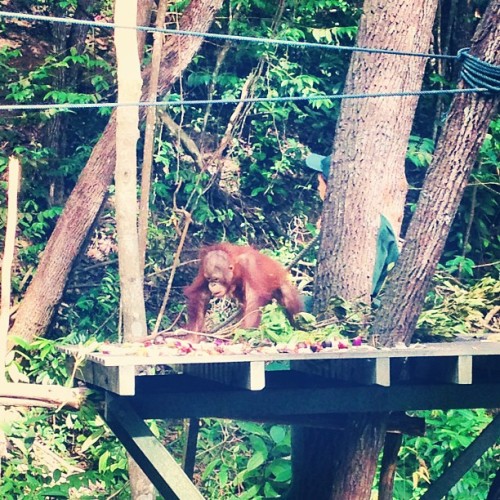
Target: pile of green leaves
455,308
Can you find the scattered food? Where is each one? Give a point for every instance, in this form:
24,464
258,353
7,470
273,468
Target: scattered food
162,345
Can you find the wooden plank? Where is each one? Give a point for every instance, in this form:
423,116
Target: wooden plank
463,370
153,458
362,371
439,488
475,349
251,376
117,379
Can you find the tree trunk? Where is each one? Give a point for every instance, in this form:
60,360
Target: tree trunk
127,135
367,176
45,291
366,180
64,37
456,152
388,466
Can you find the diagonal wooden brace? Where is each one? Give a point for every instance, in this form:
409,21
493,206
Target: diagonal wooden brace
153,458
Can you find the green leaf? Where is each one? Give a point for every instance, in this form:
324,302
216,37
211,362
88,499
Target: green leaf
256,460
277,433
103,461
93,438
252,428
281,469
270,492
258,444
251,493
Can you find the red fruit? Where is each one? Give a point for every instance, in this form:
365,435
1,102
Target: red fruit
342,345
357,341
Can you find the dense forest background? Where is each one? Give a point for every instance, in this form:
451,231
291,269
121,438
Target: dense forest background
239,171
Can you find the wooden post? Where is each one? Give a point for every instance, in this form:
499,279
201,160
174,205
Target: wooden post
8,257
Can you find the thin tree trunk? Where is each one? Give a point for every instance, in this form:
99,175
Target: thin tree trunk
367,180
129,259
83,205
127,135
465,129
149,134
388,466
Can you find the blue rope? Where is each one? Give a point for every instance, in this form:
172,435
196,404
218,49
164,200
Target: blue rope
478,73
234,38
198,102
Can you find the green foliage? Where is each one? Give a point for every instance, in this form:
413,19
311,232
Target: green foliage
268,145
38,362
243,459
68,454
453,308
92,312
420,151
424,458
474,237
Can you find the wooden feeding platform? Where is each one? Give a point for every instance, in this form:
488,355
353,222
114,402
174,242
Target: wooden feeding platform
312,389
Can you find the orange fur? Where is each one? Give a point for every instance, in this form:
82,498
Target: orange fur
254,279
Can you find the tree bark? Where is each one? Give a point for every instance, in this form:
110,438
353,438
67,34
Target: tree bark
456,152
367,180
395,320
149,134
48,396
127,135
388,466
367,172
83,205
65,37
14,180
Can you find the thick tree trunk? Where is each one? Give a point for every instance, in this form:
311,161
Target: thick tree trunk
366,180
456,152
45,291
367,176
338,464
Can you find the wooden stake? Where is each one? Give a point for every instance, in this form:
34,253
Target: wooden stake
8,258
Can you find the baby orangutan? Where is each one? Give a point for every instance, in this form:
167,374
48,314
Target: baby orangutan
254,279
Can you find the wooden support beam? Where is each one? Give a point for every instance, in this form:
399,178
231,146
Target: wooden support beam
373,371
462,373
151,456
439,488
251,376
399,423
191,428
291,393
